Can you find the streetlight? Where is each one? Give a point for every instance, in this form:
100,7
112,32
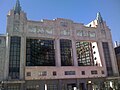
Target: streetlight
2,85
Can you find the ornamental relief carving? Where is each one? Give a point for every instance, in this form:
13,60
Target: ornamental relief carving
65,32
16,26
40,30
83,33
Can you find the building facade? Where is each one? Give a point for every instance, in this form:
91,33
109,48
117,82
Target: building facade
117,53
57,54
2,57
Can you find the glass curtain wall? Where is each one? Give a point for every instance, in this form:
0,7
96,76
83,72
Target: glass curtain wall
107,58
40,52
84,53
66,52
14,58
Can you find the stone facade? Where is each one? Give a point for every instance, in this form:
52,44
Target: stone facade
19,75
2,55
117,53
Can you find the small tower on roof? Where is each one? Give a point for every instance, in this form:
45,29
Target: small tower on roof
99,18
97,22
17,7
16,18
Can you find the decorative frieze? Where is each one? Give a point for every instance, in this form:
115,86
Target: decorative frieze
16,27
65,32
40,30
84,33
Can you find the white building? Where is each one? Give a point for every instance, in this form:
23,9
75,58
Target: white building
57,54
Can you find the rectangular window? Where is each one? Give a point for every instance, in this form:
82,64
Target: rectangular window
107,58
69,72
83,72
13,87
52,87
54,73
102,72
14,58
42,73
28,73
40,52
66,52
94,72
32,87
84,53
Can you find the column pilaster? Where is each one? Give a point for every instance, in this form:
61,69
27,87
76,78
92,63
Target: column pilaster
57,52
6,70
75,62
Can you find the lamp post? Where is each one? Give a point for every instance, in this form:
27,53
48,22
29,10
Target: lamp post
2,85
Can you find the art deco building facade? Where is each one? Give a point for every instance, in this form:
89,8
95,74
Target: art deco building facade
56,54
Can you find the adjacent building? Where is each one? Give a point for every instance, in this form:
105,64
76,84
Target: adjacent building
57,54
117,53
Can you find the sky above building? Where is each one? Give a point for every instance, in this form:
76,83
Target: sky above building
81,11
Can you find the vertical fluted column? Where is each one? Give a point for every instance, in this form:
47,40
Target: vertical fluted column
22,57
6,70
57,52
59,84
75,62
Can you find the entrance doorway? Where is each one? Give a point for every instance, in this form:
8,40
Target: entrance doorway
71,86
82,86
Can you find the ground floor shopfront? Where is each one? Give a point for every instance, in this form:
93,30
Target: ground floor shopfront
65,84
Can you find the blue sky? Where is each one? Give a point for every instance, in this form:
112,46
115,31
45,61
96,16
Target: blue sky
82,11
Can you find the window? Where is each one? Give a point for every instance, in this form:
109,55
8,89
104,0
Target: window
94,52
42,73
14,58
52,87
93,47
28,73
13,87
94,72
107,58
95,58
69,72
102,72
40,52
83,72
84,53
32,87
54,73
66,52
